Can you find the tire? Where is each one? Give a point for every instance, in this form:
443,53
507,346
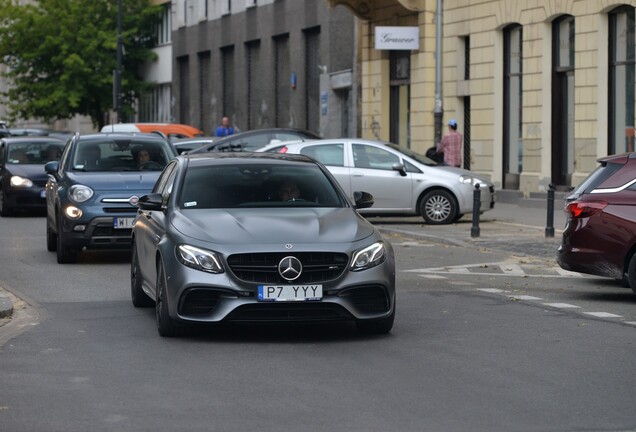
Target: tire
138,296
165,325
631,273
4,207
438,207
458,217
51,238
65,255
377,326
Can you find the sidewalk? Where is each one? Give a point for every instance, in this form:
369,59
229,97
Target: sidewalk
6,307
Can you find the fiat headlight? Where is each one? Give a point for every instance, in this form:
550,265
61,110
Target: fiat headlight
466,179
17,181
199,259
368,257
80,193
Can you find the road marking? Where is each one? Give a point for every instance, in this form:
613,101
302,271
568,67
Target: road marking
503,268
631,323
491,290
525,297
603,315
462,283
561,305
433,277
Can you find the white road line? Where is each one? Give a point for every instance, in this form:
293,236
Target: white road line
512,270
525,297
603,315
631,322
490,290
433,276
561,305
564,272
461,283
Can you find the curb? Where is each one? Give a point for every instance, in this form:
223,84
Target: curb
6,306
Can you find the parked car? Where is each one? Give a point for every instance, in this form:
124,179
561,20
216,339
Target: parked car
268,237
402,181
600,234
4,131
255,139
184,145
91,194
171,130
22,176
30,131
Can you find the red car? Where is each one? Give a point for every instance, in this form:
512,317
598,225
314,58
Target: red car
600,235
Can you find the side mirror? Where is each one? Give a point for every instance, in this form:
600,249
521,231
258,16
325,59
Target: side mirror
399,168
52,167
152,201
363,199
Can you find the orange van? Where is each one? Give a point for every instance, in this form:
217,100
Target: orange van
172,130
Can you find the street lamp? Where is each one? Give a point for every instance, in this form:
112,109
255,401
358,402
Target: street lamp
119,64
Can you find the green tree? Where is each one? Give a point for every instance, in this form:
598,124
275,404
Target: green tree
61,55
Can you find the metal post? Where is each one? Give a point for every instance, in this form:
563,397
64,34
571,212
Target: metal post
474,230
549,229
120,47
438,112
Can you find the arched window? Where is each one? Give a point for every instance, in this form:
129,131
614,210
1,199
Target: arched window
621,80
512,143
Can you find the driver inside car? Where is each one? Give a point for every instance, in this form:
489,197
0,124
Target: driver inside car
289,191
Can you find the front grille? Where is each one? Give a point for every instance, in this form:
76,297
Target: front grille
198,301
367,299
39,183
318,267
105,231
289,312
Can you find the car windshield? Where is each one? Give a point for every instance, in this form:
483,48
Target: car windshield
257,185
413,155
35,153
121,154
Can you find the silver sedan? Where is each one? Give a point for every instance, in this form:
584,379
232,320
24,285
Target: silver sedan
258,237
401,181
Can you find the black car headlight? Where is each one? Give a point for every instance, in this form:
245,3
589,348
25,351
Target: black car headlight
17,181
80,193
199,259
368,257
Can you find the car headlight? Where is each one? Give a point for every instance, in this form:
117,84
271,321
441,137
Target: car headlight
80,193
199,259
466,179
368,257
17,181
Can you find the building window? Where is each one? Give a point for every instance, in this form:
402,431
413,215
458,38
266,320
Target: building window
400,97
164,27
512,143
227,81
155,106
282,72
621,80
205,92
252,51
226,7
312,79
563,100
183,67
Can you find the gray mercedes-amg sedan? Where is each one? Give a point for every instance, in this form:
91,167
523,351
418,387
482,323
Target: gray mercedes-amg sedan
258,237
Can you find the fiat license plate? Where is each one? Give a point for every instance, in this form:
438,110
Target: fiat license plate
289,292
123,222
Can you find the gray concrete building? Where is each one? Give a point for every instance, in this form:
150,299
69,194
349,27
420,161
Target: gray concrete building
265,63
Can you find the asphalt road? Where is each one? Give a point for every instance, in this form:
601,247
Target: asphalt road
482,342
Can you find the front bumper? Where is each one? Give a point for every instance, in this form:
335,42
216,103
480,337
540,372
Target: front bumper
26,198
196,296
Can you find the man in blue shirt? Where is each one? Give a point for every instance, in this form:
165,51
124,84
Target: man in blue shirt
225,129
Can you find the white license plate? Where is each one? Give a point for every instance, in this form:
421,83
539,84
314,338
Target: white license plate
123,222
43,193
289,292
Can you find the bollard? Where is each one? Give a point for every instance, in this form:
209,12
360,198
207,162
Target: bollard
549,229
474,230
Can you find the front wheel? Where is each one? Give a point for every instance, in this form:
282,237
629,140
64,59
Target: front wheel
51,238
65,255
138,296
631,273
438,207
165,325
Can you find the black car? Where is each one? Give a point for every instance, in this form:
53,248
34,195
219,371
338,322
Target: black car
92,193
185,145
255,139
22,176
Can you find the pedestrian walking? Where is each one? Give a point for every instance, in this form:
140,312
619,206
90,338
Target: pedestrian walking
224,129
451,145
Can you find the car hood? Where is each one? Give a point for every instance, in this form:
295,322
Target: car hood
117,180
272,225
33,172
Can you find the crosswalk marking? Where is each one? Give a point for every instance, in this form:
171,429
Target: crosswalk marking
603,314
502,268
525,297
562,305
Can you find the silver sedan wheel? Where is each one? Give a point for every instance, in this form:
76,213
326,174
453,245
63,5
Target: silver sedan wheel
438,207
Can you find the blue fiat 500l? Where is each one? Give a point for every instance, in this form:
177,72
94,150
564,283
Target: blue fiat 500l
92,192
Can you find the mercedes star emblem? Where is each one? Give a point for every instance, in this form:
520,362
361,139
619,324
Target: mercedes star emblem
290,268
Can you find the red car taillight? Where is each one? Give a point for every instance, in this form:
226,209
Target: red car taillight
578,209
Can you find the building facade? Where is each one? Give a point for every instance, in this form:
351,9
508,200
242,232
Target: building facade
265,63
157,104
540,88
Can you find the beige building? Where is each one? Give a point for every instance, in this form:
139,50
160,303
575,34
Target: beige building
540,88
